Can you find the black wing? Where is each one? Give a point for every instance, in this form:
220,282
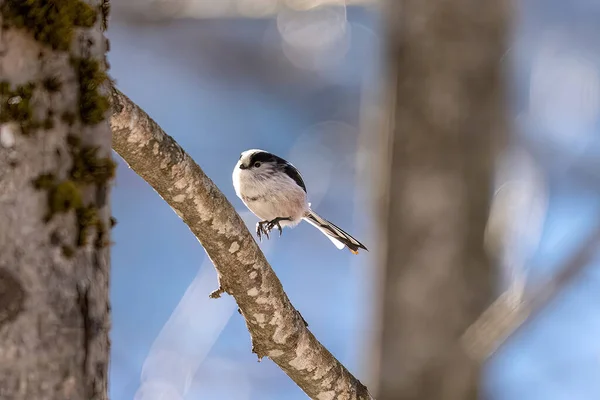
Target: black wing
285,166
290,171
293,173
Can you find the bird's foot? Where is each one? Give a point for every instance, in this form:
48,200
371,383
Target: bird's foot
275,223
265,227
261,230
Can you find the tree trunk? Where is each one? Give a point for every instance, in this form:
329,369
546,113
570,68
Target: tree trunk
55,171
448,119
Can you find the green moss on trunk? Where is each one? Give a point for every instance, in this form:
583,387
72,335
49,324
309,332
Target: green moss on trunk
92,104
65,196
15,106
51,22
54,23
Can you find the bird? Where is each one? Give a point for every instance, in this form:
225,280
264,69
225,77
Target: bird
273,190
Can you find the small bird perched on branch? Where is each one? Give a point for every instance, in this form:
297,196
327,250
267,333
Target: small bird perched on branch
274,191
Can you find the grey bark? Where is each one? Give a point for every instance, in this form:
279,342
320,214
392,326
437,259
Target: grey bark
447,125
276,329
54,316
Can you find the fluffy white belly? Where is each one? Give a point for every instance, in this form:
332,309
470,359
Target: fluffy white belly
271,196
275,205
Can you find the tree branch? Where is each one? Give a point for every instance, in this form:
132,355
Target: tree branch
508,314
276,329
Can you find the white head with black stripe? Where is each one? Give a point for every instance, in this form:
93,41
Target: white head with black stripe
273,189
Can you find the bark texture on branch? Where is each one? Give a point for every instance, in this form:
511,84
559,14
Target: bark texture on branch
55,171
448,118
277,330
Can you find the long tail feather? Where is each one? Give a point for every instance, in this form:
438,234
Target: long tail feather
338,236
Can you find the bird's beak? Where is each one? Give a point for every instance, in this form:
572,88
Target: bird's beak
242,166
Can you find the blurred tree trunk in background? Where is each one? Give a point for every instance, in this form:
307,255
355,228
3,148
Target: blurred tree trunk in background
55,171
448,123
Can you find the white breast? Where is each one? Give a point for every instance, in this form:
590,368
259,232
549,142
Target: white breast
277,196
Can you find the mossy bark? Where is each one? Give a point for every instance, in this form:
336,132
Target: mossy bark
447,123
55,175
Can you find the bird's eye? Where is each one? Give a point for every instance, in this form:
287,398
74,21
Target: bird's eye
257,164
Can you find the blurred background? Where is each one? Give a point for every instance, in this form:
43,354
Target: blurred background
304,80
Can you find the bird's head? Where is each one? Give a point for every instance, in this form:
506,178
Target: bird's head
257,162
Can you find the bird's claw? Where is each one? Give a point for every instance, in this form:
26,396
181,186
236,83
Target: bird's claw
273,224
265,227
260,230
